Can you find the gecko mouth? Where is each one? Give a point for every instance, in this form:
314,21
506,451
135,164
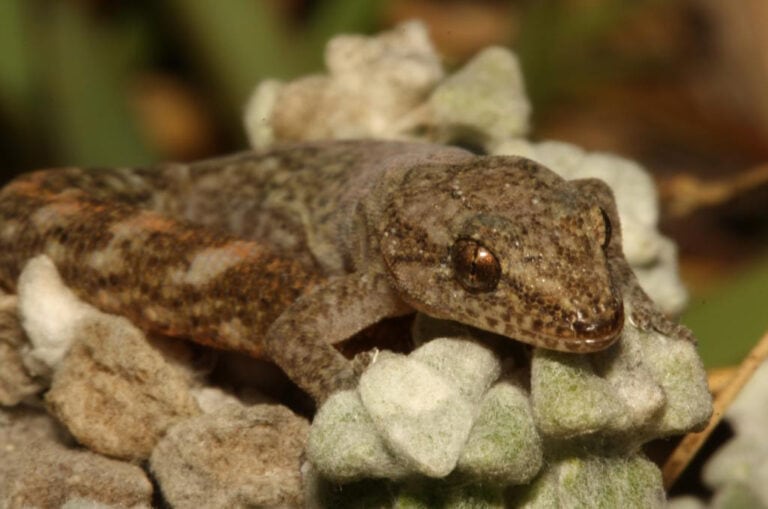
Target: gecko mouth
597,334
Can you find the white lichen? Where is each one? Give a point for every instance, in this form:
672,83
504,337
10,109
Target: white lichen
50,315
429,414
373,88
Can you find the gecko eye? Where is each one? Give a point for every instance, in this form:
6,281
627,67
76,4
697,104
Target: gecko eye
607,228
475,267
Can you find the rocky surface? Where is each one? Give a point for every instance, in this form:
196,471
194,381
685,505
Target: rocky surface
239,457
372,88
39,469
115,391
16,382
123,395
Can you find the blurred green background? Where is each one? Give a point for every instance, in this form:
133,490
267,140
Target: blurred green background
681,86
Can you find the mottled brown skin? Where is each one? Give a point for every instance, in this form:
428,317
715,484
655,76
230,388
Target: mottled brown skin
286,252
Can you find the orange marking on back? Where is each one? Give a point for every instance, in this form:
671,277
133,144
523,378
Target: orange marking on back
241,249
32,185
28,185
67,207
148,221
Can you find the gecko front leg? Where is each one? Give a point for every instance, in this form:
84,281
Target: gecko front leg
644,312
299,340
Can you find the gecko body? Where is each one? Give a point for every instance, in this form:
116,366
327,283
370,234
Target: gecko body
283,253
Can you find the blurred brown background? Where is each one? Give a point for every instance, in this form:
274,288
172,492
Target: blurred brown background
681,86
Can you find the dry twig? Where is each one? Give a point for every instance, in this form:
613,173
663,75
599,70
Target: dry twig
692,442
683,194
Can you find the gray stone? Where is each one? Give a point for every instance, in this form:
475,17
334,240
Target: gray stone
484,102
343,443
470,365
39,470
594,481
373,89
504,446
241,457
16,382
421,416
117,392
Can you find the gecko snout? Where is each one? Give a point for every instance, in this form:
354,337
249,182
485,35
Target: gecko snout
602,327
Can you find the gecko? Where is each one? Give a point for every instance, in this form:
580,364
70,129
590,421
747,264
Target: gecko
283,253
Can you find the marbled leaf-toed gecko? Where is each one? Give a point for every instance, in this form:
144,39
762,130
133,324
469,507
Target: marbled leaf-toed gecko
286,252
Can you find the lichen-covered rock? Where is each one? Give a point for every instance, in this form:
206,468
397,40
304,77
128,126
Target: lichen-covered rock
678,370
504,446
344,444
471,366
39,470
114,390
239,457
482,103
610,401
49,313
596,482
644,386
373,86
422,414
568,397
16,382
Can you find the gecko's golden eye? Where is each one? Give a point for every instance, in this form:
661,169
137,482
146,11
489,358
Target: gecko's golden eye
475,267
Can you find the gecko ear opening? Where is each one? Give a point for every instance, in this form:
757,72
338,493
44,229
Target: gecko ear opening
607,228
417,229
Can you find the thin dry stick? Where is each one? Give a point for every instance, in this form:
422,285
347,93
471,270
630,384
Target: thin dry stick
719,378
684,194
692,442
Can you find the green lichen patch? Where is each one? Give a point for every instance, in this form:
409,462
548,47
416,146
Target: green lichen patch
677,368
568,397
504,446
484,100
343,444
596,482
471,366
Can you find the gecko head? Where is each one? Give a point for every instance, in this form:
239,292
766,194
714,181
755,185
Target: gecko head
505,245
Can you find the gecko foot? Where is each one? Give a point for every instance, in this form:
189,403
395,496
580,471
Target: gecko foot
344,379
660,323
362,360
